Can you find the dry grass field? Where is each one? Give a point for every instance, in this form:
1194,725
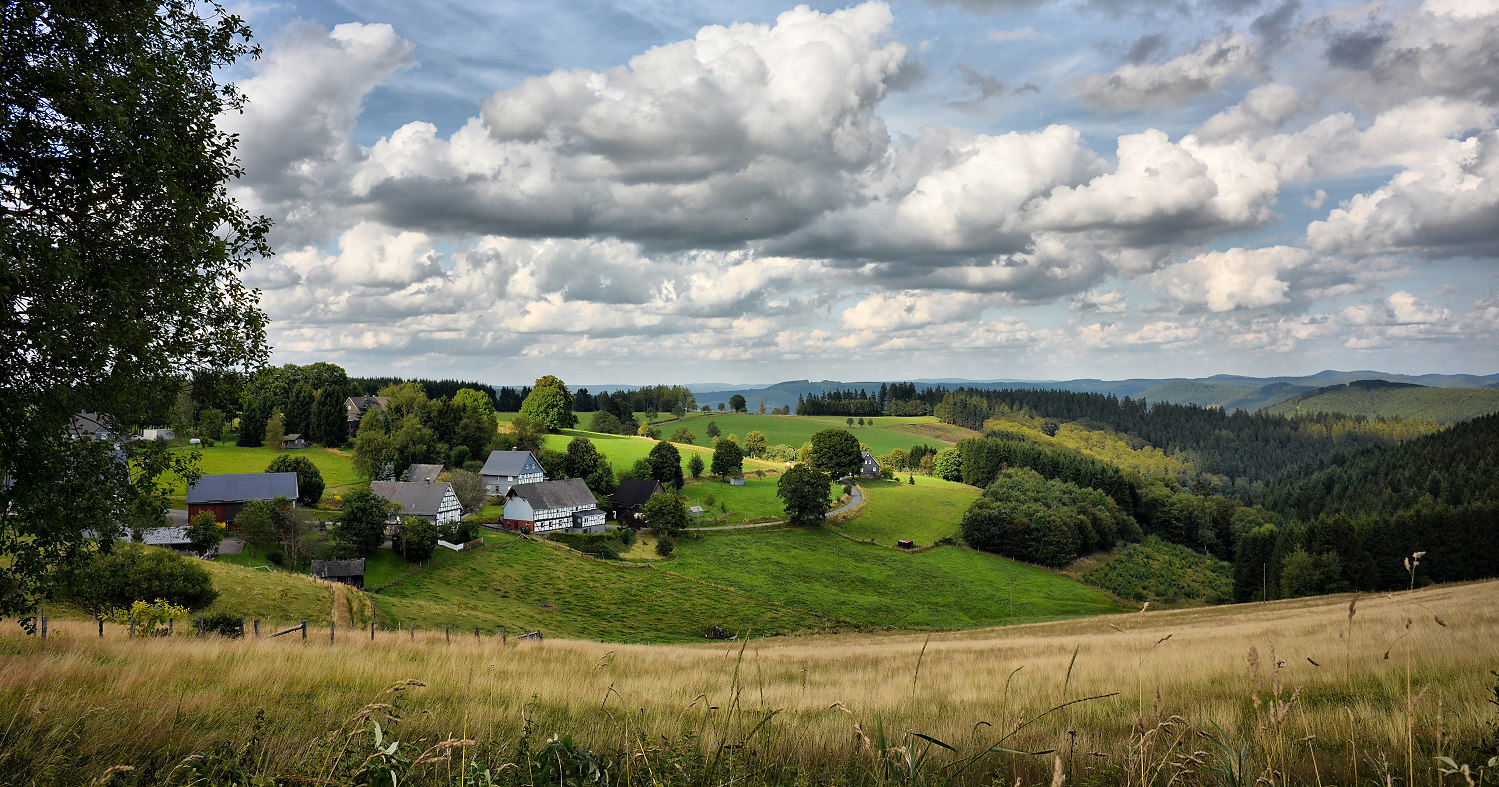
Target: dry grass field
1324,701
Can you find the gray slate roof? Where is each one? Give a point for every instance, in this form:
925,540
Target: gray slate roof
416,498
510,463
556,494
423,472
239,487
323,569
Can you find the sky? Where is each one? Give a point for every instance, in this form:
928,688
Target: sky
749,192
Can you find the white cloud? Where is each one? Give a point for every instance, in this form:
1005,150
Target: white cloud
1234,279
1196,73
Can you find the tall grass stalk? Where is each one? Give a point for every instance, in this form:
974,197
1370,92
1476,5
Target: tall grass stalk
995,697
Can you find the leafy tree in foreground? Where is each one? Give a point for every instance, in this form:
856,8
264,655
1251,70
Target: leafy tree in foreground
361,529
204,533
836,452
805,493
551,404
666,514
417,539
309,479
695,466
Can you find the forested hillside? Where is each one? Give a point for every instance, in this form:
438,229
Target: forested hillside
1299,505
1380,399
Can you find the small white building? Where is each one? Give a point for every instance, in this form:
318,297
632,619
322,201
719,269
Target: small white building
553,506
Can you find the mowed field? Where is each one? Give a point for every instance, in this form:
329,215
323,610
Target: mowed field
337,467
1301,690
889,433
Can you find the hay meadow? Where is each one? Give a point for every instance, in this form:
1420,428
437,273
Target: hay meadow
1290,692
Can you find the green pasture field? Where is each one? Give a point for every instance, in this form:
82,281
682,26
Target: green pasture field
890,433
273,596
945,587
337,467
527,585
925,513
756,501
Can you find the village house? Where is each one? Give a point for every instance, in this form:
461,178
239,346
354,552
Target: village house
871,468
423,473
349,572
433,501
225,494
356,406
293,441
630,498
553,506
505,469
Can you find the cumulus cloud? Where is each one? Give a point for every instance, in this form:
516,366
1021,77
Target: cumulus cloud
1264,109
305,96
742,132
1195,73
1444,48
1234,279
1446,205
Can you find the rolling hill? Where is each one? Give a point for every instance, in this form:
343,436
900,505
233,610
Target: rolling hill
1384,399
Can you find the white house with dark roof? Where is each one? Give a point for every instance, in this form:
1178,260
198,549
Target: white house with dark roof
553,506
505,469
433,501
225,494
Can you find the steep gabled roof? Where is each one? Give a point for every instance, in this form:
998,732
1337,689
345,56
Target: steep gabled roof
420,473
556,494
416,498
633,492
239,487
510,463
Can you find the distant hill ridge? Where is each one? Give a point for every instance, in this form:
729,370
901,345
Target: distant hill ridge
1390,399
1231,392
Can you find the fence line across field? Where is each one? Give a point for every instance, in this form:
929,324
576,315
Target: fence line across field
251,629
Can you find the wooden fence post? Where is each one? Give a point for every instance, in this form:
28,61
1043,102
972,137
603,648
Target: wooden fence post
44,628
332,627
132,627
304,629
412,629
257,628
447,633
171,626
101,628
476,633
504,636
372,631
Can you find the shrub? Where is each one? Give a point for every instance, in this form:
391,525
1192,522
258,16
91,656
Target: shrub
135,572
224,624
665,544
309,479
417,539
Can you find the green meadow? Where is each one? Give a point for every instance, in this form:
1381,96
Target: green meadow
336,466
944,587
925,513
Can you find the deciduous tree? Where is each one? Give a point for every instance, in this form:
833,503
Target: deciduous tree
120,255
835,452
666,465
805,493
728,459
551,404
